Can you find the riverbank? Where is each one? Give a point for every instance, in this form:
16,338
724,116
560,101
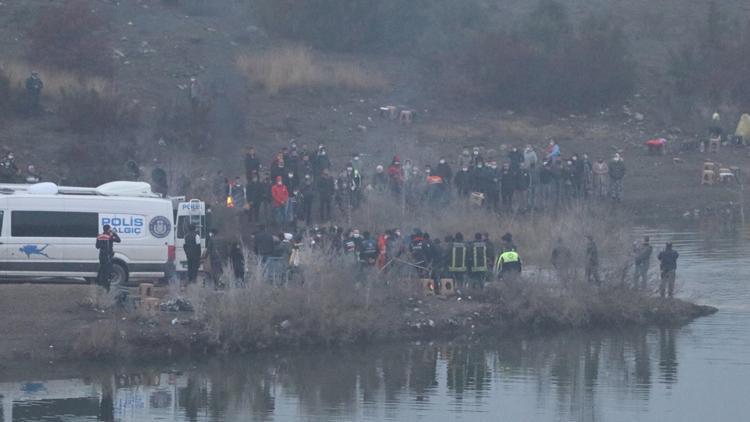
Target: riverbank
54,323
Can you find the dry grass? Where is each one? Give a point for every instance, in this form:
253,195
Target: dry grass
333,306
55,81
296,67
535,235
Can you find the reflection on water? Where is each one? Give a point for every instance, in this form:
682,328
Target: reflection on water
696,372
557,376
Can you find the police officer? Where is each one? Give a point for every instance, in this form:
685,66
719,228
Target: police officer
508,266
105,243
192,249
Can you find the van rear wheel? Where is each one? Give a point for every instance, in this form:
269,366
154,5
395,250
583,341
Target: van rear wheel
119,275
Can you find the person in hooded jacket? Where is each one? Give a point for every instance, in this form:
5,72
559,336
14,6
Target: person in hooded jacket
463,182
444,170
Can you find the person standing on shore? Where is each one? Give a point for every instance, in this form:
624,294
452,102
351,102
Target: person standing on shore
105,243
616,174
601,176
668,258
592,262
192,249
642,262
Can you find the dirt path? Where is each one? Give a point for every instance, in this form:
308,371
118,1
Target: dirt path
37,319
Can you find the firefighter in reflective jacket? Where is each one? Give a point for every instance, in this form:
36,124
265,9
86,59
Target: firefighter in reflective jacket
508,265
478,265
105,243
457,263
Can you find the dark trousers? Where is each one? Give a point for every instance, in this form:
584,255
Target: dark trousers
641,276
307,211
667,283
193,263
254,212
592,275
105,272
325,209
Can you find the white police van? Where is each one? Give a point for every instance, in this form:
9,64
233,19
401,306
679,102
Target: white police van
50,231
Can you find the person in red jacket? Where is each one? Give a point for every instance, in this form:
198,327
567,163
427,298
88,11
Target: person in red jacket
280,196
381,250
396,175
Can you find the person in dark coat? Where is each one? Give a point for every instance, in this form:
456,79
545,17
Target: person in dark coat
668,265
237,258
592,262
252,164
34,86
326,191
264,245
616,175
105,243
193,251
254,195
462,182
507,187
444,170
308,196
515,157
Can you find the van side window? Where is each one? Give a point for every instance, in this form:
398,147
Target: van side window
1,223
54,224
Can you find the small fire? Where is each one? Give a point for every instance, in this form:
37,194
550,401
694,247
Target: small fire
230,202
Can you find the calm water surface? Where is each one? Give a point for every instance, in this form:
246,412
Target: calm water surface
700,372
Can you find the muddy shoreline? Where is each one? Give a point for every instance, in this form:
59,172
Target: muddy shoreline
71,331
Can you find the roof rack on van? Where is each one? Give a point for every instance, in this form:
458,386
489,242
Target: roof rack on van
117,188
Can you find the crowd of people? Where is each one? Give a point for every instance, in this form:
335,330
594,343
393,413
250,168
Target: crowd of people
466,261
11,173
300,185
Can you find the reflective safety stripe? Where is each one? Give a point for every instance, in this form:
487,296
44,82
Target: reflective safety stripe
479,253
458,258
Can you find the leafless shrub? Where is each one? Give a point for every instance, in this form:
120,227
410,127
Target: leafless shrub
296,67
535,235
56,81
334,305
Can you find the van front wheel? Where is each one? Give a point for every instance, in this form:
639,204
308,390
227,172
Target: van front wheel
119,275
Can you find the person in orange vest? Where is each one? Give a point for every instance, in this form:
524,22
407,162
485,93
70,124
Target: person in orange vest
280,196
105,243
382,252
